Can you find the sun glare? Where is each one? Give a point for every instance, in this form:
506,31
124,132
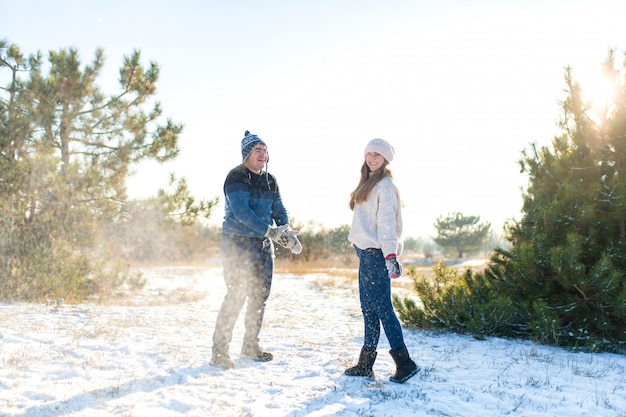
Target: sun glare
599,93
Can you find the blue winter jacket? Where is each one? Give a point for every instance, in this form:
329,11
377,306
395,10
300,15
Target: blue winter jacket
252,202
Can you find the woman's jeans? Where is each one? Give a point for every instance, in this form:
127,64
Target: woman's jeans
375,296
248,267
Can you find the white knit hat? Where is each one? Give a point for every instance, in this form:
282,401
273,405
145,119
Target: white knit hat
382,147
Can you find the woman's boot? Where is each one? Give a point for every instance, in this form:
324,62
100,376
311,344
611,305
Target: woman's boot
365,365
405,367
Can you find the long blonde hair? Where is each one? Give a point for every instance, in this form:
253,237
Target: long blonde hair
367,182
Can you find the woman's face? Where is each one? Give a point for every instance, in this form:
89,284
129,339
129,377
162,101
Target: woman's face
374,161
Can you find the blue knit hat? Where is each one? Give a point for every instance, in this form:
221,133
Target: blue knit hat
248,143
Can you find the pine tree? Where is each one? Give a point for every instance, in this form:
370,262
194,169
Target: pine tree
461,234
66,149
566,267
563,279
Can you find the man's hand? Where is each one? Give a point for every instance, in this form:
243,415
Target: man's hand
394,269
285,237
293,236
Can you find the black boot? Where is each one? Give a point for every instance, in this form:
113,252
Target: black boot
364,367
405,367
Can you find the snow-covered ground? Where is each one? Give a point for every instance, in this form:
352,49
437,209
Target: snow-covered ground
150,357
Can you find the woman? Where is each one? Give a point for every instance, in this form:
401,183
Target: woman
375,233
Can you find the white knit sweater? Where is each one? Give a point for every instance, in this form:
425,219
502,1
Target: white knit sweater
377,222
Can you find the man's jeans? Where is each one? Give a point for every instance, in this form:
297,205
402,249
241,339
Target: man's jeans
248,267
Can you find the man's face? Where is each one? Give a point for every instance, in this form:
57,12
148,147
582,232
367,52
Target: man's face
257,159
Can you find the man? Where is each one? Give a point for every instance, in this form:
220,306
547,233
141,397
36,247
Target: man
254,217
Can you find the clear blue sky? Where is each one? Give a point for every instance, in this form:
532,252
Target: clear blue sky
459,88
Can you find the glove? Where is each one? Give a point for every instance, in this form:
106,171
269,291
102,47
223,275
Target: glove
394,269
297,246
285,237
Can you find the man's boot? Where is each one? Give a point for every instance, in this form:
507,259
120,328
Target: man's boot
221,359
255,353
365,365
405,367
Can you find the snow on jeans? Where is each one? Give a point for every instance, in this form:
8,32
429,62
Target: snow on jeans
375,296
248,268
